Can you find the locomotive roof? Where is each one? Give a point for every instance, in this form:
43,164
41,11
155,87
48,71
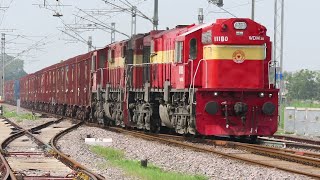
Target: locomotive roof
195,28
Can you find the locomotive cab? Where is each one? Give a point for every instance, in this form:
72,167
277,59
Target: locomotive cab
98,71
235,54
236,97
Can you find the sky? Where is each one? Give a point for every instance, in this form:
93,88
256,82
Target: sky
36,35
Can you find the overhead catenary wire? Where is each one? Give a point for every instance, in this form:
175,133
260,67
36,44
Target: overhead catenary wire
28,49
128,10
101,23
81,40
226,10
4,13
72,29
138,11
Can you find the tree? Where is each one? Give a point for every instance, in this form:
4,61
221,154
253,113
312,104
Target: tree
303,85
318,85
13,68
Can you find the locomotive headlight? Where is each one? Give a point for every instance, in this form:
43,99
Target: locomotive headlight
240,25
261,94
212,107
270,95
268,108
215,93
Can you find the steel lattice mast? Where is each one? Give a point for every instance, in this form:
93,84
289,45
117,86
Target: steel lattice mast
278,44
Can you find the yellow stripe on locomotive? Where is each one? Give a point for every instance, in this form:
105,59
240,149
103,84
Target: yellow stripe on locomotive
220,52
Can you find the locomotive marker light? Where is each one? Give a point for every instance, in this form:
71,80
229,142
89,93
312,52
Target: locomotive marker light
215,93
261,94
240,25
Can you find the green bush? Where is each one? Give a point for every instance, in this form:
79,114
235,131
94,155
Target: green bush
20,116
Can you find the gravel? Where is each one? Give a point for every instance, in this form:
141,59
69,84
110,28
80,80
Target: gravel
81,153
167,157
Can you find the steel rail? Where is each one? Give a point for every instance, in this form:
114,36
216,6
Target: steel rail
47,124
289,155
235,144
5,169
296,139
252,149
287,144
85,174
64,157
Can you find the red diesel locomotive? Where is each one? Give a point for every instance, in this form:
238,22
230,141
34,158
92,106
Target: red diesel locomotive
211,79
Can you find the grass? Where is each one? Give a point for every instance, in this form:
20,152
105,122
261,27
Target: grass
19,116
304,104
133,168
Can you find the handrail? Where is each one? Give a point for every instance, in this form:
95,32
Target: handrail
191,95
274,63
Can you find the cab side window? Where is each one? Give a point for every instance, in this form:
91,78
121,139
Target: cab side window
193,49
93,62
179,52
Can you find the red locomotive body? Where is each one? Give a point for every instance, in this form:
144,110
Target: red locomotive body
211,79
236,96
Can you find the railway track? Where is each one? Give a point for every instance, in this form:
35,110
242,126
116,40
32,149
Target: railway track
298,162
5,130
25,154
288,160
282,143
291,139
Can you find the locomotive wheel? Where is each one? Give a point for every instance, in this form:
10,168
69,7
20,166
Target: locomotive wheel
253,138
155,125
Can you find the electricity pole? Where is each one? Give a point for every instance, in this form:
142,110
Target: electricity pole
278,49
278,41
252,9
134,21
3,39
89,43
200,16
156,15
113,32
